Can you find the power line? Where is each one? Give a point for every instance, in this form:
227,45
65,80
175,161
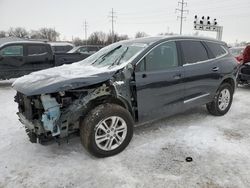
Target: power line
112,16
146,12
147,22
182,11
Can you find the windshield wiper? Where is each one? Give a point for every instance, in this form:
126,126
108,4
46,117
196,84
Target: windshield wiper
117,61
102,57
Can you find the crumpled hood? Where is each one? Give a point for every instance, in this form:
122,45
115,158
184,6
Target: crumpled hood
61,78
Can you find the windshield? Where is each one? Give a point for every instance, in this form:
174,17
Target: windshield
114,54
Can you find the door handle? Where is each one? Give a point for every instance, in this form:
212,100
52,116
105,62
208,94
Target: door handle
177,77
215,69
144,75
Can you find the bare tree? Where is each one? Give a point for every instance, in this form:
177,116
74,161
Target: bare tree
243,43
117,38
101,38
140,34
122,37
49,34
3,34
171,33
97,38
110,38
78,42
34,34
18,32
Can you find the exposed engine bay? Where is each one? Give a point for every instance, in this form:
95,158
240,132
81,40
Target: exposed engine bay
57,115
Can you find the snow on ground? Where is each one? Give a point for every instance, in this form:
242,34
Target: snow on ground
219,146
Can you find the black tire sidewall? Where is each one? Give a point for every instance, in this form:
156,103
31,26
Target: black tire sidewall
94,117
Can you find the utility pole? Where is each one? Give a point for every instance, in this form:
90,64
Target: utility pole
112,16
85,28
182,11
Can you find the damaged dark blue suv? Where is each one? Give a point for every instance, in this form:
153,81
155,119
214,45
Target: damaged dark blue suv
123,84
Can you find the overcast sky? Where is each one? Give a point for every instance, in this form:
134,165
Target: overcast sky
150,16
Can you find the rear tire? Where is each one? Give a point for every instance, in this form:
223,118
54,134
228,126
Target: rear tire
222,102
106,130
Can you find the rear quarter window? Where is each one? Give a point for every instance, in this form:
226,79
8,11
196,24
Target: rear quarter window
217,49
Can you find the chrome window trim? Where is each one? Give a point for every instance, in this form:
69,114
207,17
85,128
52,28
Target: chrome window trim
195,98
175,40
205,61
153,49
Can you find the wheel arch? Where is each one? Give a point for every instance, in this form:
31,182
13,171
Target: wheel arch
109,99
230,81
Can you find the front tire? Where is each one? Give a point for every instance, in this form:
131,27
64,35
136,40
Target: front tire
106,130
222,102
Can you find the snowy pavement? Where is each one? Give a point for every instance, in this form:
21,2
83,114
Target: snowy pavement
219,146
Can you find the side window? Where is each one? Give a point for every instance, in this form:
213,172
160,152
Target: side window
216,49
16,50
141,65
93,49
193,51
82,50
162,57
36,50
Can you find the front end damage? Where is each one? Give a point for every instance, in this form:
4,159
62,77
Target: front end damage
58,115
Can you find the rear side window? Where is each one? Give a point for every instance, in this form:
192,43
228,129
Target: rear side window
15,50
36,49
93,49
193,51
216,49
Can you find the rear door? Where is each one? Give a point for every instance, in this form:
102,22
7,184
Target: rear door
39,57
158,83
201,72
11,61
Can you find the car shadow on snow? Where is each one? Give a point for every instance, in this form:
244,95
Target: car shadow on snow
74,146
66,147
181,119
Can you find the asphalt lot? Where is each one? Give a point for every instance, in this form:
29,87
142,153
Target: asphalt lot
219,146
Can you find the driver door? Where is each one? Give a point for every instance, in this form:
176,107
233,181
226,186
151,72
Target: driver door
160,90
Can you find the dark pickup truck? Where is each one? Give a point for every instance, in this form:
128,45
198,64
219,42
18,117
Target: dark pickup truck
18,58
